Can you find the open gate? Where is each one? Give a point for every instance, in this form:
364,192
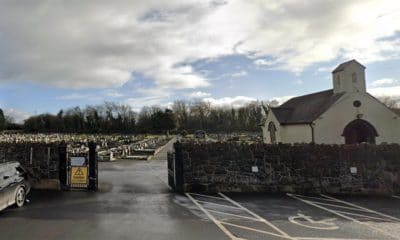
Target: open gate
175,168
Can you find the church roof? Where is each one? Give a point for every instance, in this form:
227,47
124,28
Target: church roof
307,108
342,66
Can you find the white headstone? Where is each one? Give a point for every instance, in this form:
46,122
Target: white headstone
353,170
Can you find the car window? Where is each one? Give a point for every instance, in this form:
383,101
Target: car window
19,170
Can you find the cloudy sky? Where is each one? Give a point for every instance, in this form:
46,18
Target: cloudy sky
56,54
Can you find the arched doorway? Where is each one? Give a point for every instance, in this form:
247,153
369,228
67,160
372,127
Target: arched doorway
359,131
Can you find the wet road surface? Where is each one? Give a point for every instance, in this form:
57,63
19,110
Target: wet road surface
135,202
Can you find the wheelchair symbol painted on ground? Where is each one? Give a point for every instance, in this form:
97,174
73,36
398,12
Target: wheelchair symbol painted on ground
308,222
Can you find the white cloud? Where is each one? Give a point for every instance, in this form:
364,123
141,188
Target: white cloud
114,94
385,87
17,115
98,44
150,97
154,92
298,82
138,103
199,94
239,74
276,101
325,69
110,93
238,101
78,96
393,92
384,82
263,62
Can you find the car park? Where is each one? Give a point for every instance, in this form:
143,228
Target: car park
14,185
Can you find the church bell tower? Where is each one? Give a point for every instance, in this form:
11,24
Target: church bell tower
349,77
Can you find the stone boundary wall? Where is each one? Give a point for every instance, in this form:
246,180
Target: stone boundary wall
42,160
236,167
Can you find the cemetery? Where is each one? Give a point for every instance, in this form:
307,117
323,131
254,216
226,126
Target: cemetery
47,156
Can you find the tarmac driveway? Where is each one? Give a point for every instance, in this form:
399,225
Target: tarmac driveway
133,202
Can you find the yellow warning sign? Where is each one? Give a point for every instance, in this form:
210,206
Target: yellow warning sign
79,175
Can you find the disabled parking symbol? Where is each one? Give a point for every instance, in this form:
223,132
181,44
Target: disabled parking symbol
308,222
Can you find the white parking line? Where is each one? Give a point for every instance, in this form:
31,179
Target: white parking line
222,223
210,216
366,209
255,230
345,216
338,206
234,215
316,198
398,197
207,196
213,212
256,216
362,215
217,204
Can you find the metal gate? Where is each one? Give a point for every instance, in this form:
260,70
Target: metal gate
63,170
78,174
79,171
171,169
175,168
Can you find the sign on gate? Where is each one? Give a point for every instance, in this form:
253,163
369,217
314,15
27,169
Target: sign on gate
78,161
79,172
79,177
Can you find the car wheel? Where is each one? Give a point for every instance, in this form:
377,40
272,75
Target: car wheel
20,197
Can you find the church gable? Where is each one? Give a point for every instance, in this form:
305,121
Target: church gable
271,128
368,118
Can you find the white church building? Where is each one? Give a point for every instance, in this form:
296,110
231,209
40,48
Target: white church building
346,114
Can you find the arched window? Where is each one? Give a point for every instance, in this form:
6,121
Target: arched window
272,131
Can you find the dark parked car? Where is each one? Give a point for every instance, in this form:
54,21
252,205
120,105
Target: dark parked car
14,185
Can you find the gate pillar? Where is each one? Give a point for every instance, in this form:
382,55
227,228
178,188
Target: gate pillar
93,168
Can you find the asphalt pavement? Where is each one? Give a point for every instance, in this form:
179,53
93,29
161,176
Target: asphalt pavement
135,202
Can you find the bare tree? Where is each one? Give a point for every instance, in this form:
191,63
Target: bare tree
390,101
